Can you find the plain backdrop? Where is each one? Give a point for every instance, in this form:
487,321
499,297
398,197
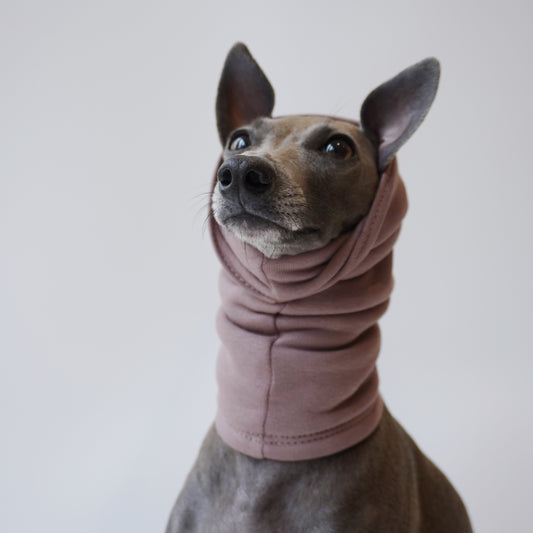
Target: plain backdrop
108,284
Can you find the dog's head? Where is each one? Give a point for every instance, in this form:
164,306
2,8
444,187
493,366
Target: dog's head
291,184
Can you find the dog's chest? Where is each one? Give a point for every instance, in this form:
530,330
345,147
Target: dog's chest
260,501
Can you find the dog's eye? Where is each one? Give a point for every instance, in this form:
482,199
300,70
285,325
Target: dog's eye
339,148
239,142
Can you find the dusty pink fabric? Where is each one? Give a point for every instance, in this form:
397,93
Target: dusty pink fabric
296,370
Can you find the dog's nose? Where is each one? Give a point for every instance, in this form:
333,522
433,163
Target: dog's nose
252,174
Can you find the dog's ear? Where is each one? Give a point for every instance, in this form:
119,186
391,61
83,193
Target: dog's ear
392,112
244,93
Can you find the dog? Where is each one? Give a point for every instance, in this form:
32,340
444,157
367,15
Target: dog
287,189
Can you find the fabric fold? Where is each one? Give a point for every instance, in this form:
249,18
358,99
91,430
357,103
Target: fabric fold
296,370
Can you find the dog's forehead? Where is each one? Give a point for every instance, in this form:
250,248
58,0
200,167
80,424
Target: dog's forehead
303,126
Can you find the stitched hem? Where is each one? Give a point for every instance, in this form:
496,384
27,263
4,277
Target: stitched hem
304,446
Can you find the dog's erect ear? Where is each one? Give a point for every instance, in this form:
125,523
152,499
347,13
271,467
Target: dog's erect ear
391,113
244,93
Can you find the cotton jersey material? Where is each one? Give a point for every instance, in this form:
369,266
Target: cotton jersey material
296,370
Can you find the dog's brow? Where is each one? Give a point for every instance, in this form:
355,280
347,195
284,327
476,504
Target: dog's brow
318,133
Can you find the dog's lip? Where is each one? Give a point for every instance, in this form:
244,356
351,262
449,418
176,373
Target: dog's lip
251,221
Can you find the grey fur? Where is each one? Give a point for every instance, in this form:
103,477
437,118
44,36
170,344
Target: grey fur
244,92
392,112
383,485
311,197
284,194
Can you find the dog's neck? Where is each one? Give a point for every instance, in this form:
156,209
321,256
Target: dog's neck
296,370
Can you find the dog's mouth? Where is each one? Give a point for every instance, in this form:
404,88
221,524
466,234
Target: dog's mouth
272,231
246,222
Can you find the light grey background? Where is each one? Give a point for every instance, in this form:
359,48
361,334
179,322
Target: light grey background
108,281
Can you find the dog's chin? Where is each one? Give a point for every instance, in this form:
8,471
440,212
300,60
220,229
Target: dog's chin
271,238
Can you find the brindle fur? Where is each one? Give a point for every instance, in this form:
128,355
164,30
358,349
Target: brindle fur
296,199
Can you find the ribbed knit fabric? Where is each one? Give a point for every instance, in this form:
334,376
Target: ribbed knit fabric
297,367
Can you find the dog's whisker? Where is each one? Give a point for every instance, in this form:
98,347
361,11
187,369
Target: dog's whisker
342,104
201,197
208,217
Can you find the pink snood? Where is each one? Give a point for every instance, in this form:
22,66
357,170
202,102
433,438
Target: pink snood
297,367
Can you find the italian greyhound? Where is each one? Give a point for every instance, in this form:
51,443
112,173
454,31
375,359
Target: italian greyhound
288,186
